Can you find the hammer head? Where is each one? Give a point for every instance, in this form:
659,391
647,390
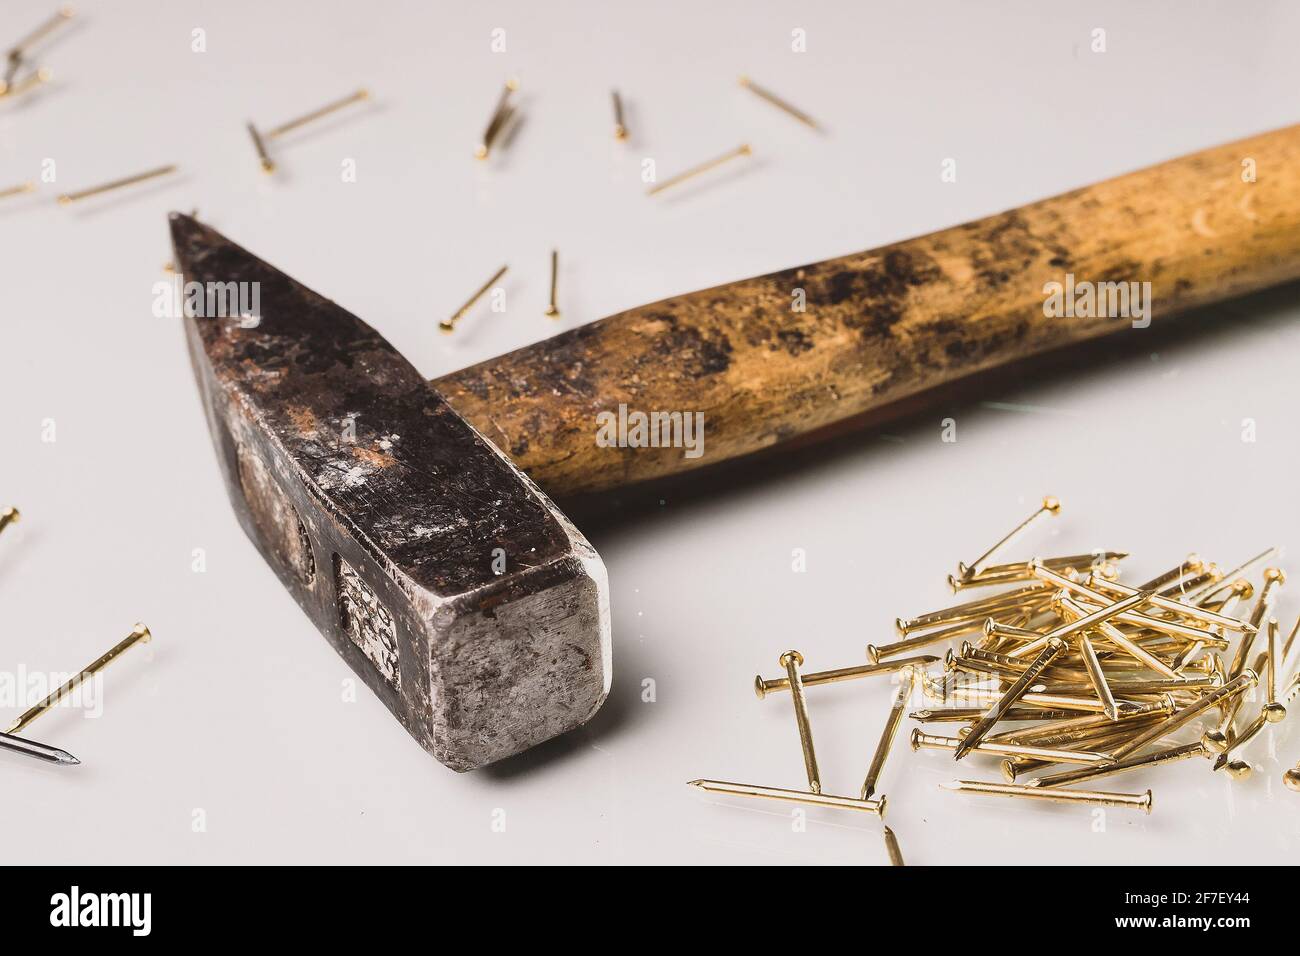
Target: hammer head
444,577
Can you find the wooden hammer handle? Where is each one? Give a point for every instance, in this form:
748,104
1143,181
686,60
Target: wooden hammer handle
889,323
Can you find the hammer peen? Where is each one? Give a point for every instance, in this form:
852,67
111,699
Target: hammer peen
458,591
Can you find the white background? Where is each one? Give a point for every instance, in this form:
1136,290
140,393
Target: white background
237,710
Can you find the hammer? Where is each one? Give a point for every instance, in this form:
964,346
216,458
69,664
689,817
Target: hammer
452,584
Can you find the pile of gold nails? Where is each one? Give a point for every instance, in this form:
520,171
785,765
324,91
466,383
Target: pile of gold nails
1065,675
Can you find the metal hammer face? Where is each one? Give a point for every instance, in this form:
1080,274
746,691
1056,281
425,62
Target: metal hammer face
453,586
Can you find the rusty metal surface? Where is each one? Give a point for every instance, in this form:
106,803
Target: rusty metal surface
382,511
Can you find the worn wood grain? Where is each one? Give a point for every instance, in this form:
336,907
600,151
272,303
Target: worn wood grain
888,323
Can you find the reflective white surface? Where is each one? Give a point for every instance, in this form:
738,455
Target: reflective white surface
235,715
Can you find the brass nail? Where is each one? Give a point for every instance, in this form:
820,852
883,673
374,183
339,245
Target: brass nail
1273,579
450,324
18,190
763,687
620,130
8,516
1286,648
1230,575
891,846
553,310
1181,589
742,150
963,714
1192,564
19,49
1047,754
976,610
8,86
1137,801
68,198
1069,777
791,661
328,108
1270,670
875,654
1237,769
1050,506
887,735
1181,717
1049,653
779,103
1292,778
138,634
1023,571
268,164
794,796
500,114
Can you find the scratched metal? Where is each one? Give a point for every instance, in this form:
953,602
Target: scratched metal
387,516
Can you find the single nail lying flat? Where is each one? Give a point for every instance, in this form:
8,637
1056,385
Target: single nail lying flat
501,114
764,686
1135,801
620,130
139,634
1049,506
888,734
450,324
552,309
293,124
779,103
742,150
793,796
31,748
68,198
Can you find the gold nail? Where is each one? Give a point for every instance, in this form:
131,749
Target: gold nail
1292,778
1273,579
1047,754
68,198
1192,564
1137,801
450,324
500,114
8,516
888,734
763,687
794,796
965,714
876,654
1054,649
32,80
891,846
1049,506
268,164
328,108
1023,571
1181,717
1230,575
553,310
975,610
779,103
620,131
1068,777
1270,669
18,190
19,49
791,661
741,150
138,634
